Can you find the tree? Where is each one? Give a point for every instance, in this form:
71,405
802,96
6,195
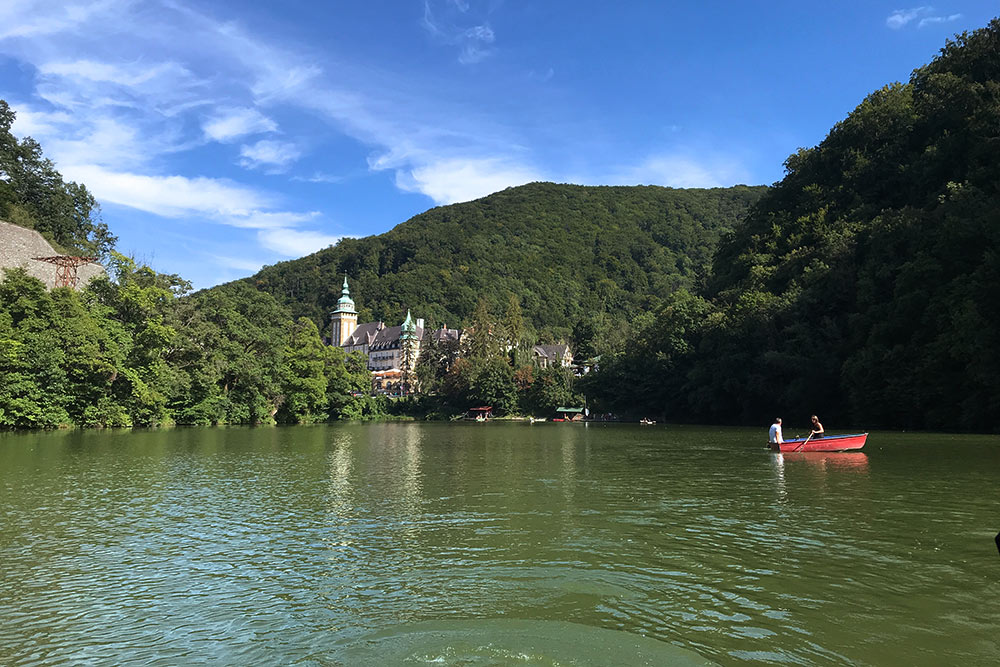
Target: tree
304,375
33,194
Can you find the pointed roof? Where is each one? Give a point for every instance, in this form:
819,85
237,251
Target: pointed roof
409,328
346,303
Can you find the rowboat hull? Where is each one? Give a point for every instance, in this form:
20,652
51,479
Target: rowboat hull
830,443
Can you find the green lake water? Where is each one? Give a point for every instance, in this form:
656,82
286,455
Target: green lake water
482,544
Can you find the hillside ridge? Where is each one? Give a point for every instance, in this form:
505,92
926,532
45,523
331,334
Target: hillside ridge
566,251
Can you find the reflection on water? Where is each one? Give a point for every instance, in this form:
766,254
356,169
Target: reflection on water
854,461
485,544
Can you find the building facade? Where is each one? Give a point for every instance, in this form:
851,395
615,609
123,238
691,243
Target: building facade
548,356
387,348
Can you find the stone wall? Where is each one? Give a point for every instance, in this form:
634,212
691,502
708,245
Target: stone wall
17,247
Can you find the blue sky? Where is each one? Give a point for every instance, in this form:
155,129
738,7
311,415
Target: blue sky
222,136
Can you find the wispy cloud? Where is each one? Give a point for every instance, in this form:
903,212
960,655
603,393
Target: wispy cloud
474,42
295,242
123,120
683,170
456,180
238,263
930,20
320,177
923,16
217,200
35,18
267,153
171,196
542,75
233,123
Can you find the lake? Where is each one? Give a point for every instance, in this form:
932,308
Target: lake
498,543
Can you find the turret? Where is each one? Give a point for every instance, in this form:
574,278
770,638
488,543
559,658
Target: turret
344,320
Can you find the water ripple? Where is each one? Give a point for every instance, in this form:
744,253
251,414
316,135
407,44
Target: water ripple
346,544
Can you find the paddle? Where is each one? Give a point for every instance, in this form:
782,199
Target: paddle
804,443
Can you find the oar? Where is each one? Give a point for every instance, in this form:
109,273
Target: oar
804,443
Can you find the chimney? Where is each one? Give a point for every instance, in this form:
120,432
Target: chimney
420,323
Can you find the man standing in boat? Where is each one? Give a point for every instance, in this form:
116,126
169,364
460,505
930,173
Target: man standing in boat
817,428
774,435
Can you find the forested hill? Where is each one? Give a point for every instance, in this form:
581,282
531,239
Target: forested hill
567,251
866,284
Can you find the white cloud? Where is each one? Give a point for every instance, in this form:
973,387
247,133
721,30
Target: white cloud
473,41
88,86
455,180
902,17
268,153
233,123
131,75
270,219
683,171
474,44
106,141
219,201
170,196
319,177
930,20
294,242
120,101
276,81
33,123
238,263
35,18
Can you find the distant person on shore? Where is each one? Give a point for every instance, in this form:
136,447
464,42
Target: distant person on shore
817,428
774,435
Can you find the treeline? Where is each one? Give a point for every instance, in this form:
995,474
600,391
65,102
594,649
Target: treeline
33,194
567,252
132,350
865,286
491,366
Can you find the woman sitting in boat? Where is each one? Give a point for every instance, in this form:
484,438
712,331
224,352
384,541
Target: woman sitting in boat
817,428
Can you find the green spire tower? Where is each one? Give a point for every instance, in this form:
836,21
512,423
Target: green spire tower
344,320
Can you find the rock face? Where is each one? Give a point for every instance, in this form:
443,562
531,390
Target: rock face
17,247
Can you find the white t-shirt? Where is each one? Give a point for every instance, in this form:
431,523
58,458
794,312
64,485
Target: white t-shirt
774,435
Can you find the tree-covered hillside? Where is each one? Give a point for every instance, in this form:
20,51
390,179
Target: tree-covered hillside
866,284
567,251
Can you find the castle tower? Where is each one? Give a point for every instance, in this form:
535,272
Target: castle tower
344,320
409,349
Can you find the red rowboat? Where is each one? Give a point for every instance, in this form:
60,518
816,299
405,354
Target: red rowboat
829,443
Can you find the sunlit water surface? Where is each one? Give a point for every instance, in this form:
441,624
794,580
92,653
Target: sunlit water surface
482,544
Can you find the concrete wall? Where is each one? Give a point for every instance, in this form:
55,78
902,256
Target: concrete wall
18,245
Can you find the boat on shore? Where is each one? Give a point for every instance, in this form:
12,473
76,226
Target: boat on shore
828,443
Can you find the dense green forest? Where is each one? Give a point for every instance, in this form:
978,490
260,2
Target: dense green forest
864,286
134,348
568,252
131,350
